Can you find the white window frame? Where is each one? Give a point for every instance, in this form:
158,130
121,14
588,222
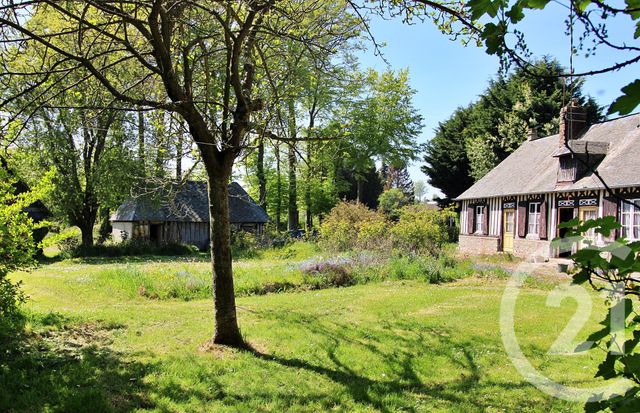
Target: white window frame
480,211
533,222
630,219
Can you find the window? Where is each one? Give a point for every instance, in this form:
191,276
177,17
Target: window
630,219
480,219
509,222
568,169
534,218
590,235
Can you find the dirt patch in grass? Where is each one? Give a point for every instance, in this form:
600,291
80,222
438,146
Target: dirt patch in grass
217,350
225,352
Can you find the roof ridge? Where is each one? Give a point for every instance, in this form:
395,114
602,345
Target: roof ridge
614,119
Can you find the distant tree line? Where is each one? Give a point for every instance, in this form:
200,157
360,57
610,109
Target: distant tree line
480,135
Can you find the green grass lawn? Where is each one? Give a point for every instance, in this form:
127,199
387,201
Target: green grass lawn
386,346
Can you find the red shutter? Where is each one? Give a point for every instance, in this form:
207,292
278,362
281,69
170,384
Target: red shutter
522,219
470,216
543,219
610,208
485,224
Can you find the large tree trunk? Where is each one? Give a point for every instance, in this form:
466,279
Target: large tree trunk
86,229
226,330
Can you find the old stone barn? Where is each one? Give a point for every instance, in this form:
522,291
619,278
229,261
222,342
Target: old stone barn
518,206
180,214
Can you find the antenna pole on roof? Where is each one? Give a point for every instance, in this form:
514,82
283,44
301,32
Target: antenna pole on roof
571,85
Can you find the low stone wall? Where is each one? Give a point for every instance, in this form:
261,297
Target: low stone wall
474,244
527,248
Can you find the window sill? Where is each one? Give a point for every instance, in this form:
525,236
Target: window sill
535,237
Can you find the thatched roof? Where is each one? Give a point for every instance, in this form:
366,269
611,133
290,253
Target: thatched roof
189,203
533,167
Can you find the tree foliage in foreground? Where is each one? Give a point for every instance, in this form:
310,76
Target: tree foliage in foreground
499,26
17,247
590,20
479,136
612,269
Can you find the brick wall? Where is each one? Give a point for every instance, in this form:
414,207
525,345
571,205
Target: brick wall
473,244
527,248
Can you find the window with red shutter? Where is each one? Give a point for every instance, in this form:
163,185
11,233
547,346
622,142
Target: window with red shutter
610,208
543,220
522,219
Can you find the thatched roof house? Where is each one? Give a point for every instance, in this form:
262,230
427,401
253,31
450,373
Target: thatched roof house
518,205
181,214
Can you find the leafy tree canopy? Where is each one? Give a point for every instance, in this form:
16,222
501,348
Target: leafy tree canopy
479,136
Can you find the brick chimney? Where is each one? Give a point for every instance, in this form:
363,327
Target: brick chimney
573,119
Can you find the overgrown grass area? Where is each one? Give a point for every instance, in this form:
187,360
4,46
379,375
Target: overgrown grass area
299,266
402,342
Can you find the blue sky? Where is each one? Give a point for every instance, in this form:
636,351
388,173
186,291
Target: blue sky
447,74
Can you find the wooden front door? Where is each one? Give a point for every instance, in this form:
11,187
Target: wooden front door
508,228
587,213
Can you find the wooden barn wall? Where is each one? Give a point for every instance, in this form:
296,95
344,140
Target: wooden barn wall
196,233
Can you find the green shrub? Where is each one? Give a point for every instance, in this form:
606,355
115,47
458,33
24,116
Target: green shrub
11,318
422,230
17,249
244,244
127,249
352,226
391,201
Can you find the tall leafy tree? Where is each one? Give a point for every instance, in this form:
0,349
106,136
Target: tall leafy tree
383,124
82,136
398,178
478,137
205,61
447,164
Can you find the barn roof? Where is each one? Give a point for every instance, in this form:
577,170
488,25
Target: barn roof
533,167
189,202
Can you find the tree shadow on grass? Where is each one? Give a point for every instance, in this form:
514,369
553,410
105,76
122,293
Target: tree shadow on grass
69,370
397,345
